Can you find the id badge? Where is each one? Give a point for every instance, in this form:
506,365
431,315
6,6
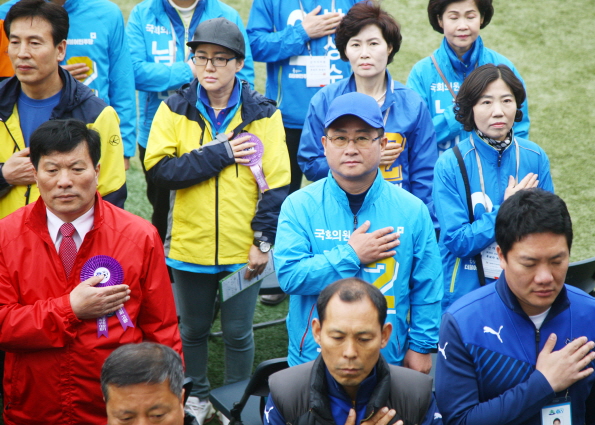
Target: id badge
491,262
557,413
318,71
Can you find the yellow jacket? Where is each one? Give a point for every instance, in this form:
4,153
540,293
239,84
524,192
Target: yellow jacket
216,205
77,101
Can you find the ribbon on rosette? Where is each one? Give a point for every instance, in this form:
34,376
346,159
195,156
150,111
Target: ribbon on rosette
255,160
113,274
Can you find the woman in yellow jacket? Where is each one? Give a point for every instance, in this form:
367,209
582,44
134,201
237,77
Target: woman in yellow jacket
223,204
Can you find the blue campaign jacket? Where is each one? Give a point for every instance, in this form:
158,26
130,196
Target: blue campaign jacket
159,56
96,37
278,38
488,348
459,240
312,252
426,81
408,122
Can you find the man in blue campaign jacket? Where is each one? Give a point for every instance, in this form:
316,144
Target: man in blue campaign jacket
407,122
347,225
426,81
508,351
97,55
460,240
285,34
157,34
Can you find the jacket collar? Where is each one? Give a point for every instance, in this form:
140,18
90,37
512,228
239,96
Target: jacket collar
374,390
253,105
73,94
444,60
561,303
487,152
389,99
339,194
37,219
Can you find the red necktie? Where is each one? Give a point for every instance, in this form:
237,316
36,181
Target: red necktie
67,247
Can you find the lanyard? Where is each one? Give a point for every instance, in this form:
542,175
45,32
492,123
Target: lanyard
304,17
480,169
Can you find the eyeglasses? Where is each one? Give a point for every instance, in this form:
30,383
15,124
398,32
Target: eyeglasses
359,141
217,61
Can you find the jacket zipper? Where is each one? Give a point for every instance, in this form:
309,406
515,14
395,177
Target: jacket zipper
307,328
354,222
216,220
16,149
537,340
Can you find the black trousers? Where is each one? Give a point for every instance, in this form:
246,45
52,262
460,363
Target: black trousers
292,137
159,199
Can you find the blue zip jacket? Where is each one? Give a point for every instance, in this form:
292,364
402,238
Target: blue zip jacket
408,122
311,252
485,372
426,81
278,38
460,241
157,40
96,37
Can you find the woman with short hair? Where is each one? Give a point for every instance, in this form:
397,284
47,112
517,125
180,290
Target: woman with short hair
473,179
368,37
438,78
225,198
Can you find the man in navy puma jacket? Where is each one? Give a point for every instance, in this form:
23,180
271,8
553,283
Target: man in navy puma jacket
509,349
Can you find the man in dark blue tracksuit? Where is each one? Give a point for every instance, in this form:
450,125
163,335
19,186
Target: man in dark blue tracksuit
520,349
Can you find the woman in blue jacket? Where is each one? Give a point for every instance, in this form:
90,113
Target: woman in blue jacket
497,164
438,78
369,38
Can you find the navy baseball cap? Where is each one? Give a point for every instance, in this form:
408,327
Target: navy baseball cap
358,104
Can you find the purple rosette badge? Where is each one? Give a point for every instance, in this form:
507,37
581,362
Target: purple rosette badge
113,274
255,160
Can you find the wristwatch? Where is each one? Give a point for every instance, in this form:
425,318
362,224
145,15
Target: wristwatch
262,245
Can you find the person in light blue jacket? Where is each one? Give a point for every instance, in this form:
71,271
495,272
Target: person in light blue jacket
461,51
97,55
286,34
158,31
354,223
497,163
368,37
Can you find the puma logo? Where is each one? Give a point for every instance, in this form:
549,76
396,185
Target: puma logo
441,349
266,413
488,330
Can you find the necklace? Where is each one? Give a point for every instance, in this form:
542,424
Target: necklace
377,99
218,109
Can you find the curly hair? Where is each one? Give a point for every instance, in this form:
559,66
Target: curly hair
475,85
436,9
361,15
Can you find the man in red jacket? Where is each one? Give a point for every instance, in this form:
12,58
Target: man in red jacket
68,262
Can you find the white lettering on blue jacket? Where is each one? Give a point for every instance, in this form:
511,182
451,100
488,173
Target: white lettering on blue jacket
426,81
408,122
160,55
312,252
460,241
278,38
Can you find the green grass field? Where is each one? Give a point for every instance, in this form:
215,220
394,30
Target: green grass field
550,42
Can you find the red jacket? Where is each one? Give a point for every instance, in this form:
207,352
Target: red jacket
53,359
